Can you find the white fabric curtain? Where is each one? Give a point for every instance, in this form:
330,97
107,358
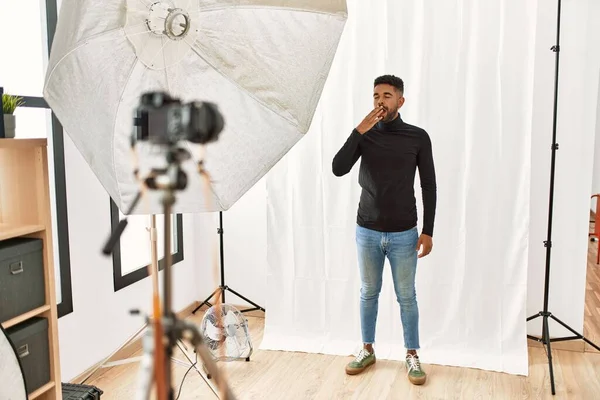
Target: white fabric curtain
467,68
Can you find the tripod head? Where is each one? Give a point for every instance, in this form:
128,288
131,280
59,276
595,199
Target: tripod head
168,179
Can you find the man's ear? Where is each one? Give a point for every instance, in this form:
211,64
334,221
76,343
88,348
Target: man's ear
400,101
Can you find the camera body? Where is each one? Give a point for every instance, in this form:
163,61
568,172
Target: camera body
163,120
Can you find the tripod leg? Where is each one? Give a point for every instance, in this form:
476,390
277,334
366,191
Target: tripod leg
246,299
105,361
534,316
192,333
146,371
576,333
206,300
193,365
546,341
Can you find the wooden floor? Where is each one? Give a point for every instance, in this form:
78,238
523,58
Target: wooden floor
286,375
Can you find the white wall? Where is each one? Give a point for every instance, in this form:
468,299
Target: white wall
100,322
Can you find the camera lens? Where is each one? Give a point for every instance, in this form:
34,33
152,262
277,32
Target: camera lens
206,123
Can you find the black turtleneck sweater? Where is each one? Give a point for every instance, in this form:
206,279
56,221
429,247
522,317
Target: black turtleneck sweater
391,152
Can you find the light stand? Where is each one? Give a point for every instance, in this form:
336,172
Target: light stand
545,314
223,287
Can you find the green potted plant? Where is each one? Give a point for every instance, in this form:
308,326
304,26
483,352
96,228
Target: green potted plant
9,105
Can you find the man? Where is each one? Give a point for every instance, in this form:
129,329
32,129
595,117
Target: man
391,151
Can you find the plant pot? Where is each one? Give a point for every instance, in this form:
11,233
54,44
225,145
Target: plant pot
9,126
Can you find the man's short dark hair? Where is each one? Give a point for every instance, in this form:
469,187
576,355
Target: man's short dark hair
390,80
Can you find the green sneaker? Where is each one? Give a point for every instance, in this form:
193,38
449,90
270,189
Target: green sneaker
361,362
416,375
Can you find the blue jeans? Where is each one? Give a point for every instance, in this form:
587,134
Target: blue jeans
400,248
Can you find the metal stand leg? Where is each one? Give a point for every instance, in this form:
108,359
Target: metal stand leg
223,287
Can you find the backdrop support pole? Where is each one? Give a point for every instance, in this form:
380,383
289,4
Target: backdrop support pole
223,287
545,339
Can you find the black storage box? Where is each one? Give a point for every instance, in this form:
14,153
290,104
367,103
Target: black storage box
22,286
72,391
31,341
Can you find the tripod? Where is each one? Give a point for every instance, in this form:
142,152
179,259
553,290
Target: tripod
153,272
545,314
165,329
223,287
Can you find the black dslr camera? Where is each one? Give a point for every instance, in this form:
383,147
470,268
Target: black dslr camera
163,120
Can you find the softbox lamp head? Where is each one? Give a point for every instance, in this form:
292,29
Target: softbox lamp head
262,64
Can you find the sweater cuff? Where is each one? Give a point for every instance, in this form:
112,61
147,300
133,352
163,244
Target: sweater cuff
357,134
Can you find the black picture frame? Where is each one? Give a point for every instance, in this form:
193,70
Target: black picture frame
121,281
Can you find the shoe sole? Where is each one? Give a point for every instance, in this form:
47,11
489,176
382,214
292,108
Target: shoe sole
418,381
356,371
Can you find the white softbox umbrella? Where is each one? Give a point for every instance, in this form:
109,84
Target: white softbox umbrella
262,62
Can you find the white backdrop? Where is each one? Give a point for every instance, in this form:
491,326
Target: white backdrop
467,70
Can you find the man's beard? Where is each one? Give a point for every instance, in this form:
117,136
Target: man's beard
388,116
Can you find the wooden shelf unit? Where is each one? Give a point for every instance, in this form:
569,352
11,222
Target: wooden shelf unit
25,212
